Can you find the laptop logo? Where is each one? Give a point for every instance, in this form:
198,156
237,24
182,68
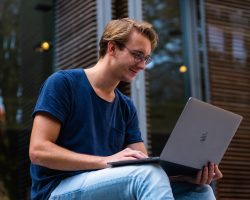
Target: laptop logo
203,137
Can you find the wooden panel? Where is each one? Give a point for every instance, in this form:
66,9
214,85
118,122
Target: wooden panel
120,10
148,112
228,44
75,33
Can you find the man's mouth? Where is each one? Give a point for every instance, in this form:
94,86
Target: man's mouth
134,71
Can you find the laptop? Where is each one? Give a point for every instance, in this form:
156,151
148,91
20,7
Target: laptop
202,134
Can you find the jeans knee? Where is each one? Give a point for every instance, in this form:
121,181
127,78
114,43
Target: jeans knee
149,181
151,173
207,192
204,188
149,169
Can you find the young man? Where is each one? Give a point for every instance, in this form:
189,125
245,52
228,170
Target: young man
82,122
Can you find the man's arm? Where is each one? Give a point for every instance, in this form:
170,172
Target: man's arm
43,150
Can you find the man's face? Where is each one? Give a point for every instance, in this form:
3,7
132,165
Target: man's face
133,57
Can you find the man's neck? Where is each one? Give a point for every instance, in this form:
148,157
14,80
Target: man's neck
102,81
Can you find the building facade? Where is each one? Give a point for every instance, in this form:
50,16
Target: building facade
203,52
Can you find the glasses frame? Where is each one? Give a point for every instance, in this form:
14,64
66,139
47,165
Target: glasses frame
139,56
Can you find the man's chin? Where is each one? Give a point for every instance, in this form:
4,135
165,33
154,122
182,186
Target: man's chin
128,80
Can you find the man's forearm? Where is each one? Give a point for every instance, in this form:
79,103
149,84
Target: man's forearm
50,155
53,156
139,146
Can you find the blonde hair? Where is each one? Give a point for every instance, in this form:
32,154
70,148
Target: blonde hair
119,31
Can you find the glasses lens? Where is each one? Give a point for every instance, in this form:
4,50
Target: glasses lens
148,59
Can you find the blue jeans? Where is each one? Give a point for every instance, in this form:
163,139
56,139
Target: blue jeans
141,182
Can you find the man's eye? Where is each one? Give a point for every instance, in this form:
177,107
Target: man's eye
138,55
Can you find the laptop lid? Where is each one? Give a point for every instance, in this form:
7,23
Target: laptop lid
201,134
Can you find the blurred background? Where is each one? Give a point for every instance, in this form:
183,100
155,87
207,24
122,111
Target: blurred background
203,52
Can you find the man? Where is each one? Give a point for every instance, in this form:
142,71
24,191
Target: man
82,122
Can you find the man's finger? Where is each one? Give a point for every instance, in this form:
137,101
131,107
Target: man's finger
217,172
198,177
135,154
210,173
204,175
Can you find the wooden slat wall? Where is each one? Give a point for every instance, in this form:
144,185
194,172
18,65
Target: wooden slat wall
148,105
120,10
148,112
75,34
228,43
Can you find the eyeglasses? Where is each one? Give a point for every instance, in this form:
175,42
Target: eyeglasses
139,56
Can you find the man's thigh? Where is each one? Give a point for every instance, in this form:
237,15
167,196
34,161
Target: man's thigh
92,185
188,191
129,182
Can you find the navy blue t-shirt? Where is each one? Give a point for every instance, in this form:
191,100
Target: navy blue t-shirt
90,125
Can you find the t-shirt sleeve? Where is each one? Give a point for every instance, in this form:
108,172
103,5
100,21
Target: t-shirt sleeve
133,133
54,98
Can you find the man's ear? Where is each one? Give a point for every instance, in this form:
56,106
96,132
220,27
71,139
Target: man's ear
111,48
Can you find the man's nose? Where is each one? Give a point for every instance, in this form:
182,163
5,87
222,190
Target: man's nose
141,65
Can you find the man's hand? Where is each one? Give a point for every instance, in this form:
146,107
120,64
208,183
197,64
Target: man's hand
208,174
126,154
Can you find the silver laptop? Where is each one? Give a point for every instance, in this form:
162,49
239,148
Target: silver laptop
201,134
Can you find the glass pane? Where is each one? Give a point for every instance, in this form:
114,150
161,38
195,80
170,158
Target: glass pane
24,64
168,88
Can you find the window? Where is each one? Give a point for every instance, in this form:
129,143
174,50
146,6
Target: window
167,75
25,62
